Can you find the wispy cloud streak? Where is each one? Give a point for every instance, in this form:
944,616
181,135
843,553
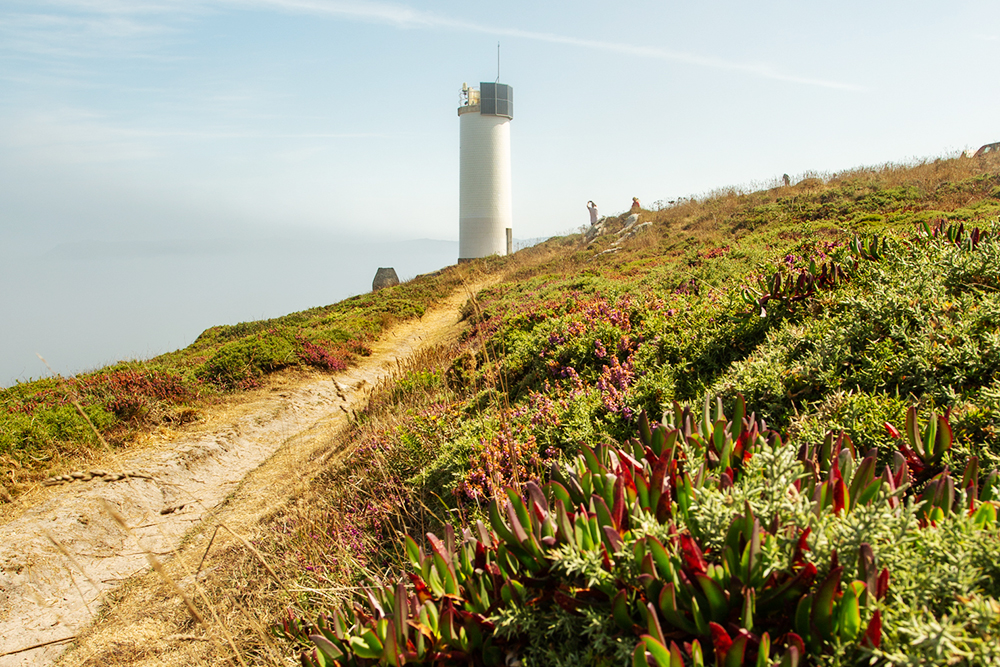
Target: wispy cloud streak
140,15
77,35
406,17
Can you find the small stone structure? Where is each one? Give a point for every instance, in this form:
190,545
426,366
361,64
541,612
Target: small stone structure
385,277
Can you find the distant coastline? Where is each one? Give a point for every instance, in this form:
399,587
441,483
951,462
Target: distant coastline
83,304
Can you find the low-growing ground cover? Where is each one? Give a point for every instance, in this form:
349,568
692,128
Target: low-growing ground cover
833,306
704,540
848,518
44,423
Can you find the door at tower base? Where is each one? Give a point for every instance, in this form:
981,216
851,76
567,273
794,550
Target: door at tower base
484,184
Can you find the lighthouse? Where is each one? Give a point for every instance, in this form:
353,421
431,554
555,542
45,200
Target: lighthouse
484,225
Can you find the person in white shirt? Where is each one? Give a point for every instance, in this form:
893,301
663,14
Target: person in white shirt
592,207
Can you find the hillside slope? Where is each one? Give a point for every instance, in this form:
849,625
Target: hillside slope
829,498
64,552
760,429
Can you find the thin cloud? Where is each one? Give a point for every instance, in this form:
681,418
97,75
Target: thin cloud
406,17
761,70
113,13
122,7
76,36
376,12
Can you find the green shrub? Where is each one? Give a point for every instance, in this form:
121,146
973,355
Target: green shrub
944,596
240,363
33,437
860,415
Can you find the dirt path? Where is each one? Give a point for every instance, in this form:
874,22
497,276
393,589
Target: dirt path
61,555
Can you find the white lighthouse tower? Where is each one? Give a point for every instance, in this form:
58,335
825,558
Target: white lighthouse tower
484,172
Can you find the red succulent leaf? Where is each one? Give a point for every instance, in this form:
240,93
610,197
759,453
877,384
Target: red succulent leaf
893,431
618,506
628,462
739,447
801,548
538,499
839,490
614,537
423,593
873,635
539,513
659,470
480,562
692,555
720,639
438,547
912,459
515,524
663,505
628,479
796,647
882,585
726,479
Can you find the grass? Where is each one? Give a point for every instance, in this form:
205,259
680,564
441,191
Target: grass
42,433
245,602
566,353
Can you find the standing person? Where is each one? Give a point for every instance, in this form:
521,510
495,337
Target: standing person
635,205
592,207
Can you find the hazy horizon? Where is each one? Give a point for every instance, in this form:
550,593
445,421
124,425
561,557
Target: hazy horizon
85,304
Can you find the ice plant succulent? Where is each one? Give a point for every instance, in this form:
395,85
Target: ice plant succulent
788,288
626,511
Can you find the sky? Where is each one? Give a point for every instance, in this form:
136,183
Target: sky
200,122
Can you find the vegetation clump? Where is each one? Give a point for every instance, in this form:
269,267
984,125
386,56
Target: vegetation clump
841,310
44,423
704,540
512,498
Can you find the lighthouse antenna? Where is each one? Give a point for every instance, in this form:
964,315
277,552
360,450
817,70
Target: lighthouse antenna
498,62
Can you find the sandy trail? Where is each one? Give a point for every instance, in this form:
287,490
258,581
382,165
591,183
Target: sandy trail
63,552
